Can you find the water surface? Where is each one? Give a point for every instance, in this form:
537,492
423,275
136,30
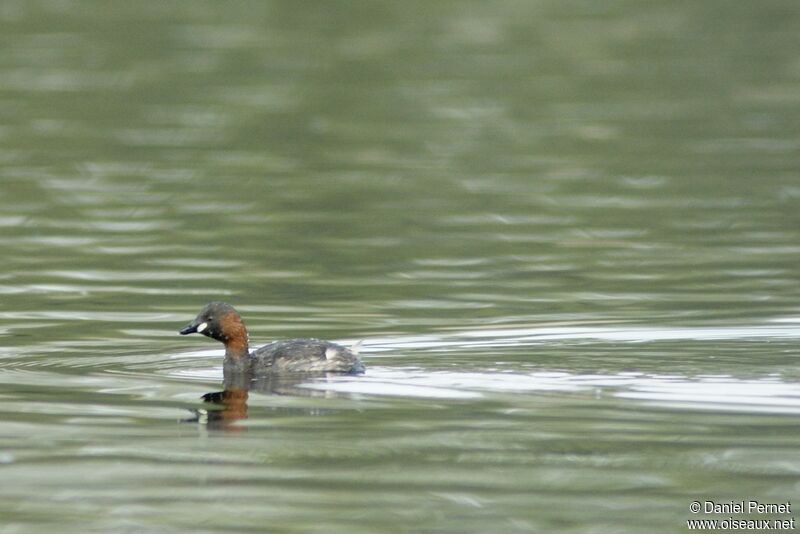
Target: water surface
566,232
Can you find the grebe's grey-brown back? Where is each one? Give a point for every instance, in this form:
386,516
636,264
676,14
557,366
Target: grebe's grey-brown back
222,322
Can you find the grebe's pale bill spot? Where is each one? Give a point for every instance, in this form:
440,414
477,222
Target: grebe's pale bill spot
201,327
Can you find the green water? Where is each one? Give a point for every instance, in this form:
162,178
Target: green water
567,232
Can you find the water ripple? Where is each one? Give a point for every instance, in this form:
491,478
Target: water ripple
503,337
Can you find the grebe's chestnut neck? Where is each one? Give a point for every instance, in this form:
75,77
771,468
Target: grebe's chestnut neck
221,321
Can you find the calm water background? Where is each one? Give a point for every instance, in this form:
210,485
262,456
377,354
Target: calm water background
568,232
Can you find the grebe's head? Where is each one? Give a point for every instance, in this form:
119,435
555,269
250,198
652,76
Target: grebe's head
220,321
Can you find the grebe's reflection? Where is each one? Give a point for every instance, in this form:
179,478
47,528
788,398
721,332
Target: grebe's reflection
230,404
